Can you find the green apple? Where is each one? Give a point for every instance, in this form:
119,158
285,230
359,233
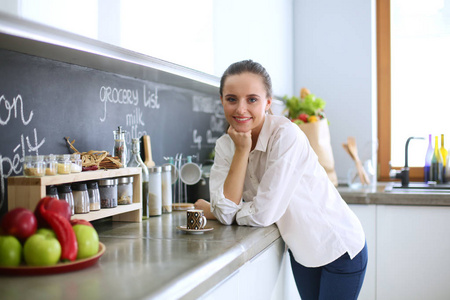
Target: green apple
46,232
87,239
10,251
42,250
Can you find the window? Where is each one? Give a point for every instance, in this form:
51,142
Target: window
413,41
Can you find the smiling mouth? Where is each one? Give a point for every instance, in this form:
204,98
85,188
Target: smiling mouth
242,119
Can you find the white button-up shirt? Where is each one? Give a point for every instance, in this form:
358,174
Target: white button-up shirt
286,185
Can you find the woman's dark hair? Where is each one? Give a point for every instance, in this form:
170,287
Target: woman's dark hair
247,66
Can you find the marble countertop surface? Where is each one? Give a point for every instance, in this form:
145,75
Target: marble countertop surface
380,195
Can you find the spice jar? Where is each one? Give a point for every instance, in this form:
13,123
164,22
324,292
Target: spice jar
34,166
51,191
80,198
120,147
76,163
94,195
51,165
108,192
166,187
125,190
64,164
154,191
65,193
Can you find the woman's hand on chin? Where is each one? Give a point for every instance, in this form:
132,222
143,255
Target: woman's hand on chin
242,140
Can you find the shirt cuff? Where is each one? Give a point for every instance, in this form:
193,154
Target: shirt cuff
225,210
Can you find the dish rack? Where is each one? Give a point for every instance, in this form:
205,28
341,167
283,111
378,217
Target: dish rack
27,191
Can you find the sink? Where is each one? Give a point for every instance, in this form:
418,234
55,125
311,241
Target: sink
418,187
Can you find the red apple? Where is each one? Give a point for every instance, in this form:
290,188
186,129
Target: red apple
59,206
19,222
74,222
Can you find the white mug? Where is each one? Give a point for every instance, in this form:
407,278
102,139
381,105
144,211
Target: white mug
190,173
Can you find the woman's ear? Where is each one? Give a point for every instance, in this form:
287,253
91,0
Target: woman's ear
268,104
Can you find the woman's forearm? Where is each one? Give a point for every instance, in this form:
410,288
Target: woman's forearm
234,183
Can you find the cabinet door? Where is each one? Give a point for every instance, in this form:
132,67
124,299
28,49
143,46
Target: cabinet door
367,216
413,251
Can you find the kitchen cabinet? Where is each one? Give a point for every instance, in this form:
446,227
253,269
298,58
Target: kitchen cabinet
27,191
266,276
367,215
413,248
408,251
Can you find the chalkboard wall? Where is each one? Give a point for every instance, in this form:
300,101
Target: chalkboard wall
43,100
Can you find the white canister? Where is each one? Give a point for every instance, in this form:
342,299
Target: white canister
154,191
166,182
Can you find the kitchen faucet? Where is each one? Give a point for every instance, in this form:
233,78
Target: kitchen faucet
403,174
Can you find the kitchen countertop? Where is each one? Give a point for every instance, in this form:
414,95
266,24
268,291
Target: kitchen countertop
150,259
153,259
378,195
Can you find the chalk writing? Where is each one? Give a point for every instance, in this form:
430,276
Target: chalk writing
151,99
203,104
14,106
120,96
197,139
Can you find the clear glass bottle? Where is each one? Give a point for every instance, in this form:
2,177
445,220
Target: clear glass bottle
436,163
65,193
94,195
120,147
136,161
166,185
125,190
154,191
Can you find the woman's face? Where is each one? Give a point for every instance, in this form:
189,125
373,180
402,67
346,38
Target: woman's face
245,102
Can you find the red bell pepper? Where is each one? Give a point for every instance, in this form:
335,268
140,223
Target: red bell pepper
64,232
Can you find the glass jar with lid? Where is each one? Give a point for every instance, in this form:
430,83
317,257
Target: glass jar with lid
65,193
125,190
34,166
51,165
80,197
94,195
154,191
76,166
51,191
64,164
108,192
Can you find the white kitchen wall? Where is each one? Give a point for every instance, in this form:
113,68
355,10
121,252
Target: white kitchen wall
260,30
334,57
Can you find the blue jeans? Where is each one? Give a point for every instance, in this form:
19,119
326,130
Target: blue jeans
340,279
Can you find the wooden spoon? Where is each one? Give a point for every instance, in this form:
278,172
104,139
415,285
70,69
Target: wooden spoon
148,161
353,150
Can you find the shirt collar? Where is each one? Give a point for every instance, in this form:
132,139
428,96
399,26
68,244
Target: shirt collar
264,135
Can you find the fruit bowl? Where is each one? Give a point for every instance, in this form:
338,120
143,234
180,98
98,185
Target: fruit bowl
58,268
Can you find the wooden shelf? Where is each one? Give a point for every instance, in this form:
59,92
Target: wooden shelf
27,191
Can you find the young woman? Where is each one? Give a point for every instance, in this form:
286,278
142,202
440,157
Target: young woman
265,172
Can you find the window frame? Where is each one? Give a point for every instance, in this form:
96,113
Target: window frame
383,12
